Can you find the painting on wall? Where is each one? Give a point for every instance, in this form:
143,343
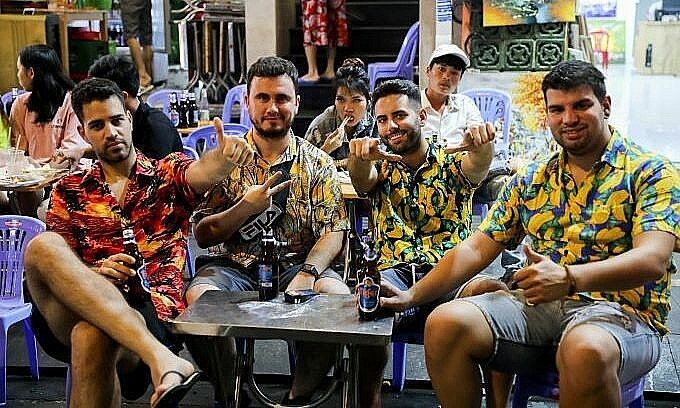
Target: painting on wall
513,12
598,8
616,32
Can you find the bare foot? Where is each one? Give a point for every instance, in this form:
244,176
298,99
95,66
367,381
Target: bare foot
170,362
310,78
328,74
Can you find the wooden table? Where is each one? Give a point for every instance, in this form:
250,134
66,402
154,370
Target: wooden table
325,319
12,191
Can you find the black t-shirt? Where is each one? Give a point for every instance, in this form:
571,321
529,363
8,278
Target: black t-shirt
153,133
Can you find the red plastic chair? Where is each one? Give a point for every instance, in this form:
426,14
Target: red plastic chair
601,45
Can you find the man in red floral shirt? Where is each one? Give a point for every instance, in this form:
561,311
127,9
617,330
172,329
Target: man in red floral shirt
77,273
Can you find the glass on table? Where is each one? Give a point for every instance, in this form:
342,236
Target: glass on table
14,160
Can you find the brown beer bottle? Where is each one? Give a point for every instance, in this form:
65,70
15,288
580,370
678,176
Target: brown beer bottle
369,285
138,285
268,268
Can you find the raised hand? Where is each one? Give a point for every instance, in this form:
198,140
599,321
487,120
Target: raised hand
392,298
474,137
258,197
333,141
234,149
368,149
542,280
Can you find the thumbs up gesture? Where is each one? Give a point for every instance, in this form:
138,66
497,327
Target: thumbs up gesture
234,149
542,280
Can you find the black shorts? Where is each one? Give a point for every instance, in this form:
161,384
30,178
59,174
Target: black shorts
136,382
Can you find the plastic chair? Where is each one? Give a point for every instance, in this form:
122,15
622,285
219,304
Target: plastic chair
205,138
193,154
159,99
402,67
600,40
547,385
6,97
236,95
15,233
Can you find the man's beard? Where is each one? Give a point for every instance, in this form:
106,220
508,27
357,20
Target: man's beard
410,144
272,134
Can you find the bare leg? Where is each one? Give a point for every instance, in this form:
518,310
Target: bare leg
373,361
67,291
588,361
315,359
138,59
313,71
93,366
456,337
330,65
147,55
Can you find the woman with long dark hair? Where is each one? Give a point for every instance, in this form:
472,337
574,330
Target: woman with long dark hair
349,117
44,124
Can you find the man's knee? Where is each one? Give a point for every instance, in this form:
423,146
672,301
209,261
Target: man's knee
37,249
90,343
587,354
458,324
195,292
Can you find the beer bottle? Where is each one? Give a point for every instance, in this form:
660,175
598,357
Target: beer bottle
173,109
369,286
138,285
268,268
192,113
183,110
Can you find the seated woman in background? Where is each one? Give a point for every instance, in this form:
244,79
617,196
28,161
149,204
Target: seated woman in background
349,117
44,124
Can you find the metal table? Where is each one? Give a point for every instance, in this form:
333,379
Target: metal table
324,318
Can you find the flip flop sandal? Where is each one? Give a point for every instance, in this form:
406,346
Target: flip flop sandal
173,395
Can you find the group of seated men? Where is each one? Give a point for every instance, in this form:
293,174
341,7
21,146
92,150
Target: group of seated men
602,215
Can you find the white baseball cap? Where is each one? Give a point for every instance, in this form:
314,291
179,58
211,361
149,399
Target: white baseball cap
449,49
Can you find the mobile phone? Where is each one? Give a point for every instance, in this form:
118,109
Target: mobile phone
299,296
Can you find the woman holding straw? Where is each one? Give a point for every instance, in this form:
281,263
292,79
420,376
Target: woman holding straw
348,117
42,120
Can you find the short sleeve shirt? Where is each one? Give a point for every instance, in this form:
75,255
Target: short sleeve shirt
460,111
157,206
628,192
419,215
314,203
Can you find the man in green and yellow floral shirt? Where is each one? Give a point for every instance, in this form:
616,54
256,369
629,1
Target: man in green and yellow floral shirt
603,216
421,196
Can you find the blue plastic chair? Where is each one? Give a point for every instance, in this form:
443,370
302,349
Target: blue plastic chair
547,385
205,138
494,105
236,95
193,154
159,99
6,97
15,233
402,67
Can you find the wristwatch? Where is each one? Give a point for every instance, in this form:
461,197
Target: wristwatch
311,270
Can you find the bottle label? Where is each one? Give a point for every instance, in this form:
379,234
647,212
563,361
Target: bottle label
264,273
141,272
369,295
174,118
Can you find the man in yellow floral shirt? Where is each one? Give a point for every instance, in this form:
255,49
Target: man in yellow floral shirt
603,216
309,210
421,196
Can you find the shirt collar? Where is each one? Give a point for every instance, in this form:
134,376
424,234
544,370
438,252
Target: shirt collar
143,167
614,154
453,103
288,154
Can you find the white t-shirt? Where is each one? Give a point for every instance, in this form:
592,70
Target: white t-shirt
460,112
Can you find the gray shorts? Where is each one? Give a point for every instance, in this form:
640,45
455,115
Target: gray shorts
526,338
228,277
136,16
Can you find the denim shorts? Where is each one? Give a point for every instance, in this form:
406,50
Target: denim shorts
526,338
228,277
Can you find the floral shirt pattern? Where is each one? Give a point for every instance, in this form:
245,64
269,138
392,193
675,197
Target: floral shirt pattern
157,206
314,203
628,192
324,23
421,214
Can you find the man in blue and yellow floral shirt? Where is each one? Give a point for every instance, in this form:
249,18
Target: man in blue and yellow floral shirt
603,216
421,193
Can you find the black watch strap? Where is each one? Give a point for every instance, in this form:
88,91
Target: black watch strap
310,269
